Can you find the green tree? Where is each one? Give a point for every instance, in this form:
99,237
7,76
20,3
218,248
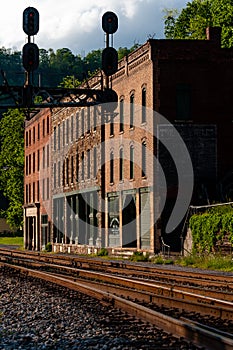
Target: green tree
193,20
12,164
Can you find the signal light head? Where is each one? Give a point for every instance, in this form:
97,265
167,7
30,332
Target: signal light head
30,57
110,22
31,21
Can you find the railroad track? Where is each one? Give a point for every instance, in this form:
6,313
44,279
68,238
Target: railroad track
135,296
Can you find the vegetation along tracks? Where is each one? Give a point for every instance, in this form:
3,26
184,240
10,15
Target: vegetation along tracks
205,318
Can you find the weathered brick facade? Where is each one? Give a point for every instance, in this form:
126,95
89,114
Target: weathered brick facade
37,181
104,168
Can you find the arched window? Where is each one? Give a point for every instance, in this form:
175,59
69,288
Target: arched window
131,170
121,164
143,158
131,110
111,167
121,115
144,105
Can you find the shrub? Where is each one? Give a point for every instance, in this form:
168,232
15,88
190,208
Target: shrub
48,247
103,252
139,256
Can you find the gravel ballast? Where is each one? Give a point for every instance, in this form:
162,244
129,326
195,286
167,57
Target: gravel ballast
38,315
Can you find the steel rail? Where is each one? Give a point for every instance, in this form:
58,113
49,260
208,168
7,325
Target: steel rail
210,279
191,332
159,294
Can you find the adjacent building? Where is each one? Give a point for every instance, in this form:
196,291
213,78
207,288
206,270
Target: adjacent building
114,182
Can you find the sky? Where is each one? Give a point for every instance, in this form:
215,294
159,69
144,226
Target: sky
77,24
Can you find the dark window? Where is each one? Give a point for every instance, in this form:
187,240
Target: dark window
67,171
77,167
183,102
131,171
26,138
77,126
34,134
143,105
131,111
121,115
111,126
43,127
88,164
54,138
54,175
143,159
59,174
34,162
83,166
111,167
47,156
94,117
94,162
67,131
38,131
121,164
82,122
38,160
88,119
48,125
72,169
59,136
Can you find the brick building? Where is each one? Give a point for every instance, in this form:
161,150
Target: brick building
37,187
104,166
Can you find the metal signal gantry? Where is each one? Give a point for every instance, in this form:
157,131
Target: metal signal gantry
26,96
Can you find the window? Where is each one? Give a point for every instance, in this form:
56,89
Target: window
94,162
38,190
121,115
63,133
77,167
38,160
111,167
95,117
47,124
77,126
26,138
131,110
43,127
26,165
33,192
83,166
34,162
183,102
143,105
47,197
72,169
59,136
88,119
29,164
63,174
34,134
72,129
59,174
43,189
43,157
47,156
38,131
144,159
131,168
26,194
54,138
29,141
121,164
82,122
67,171
88,164
29,193
67,131
54,175
111,126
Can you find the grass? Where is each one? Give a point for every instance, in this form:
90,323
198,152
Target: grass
211,262
12,241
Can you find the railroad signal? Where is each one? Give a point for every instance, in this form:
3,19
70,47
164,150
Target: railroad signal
109,22
30,57
30,21
109,61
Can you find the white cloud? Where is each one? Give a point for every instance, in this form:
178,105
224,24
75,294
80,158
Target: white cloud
77,24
